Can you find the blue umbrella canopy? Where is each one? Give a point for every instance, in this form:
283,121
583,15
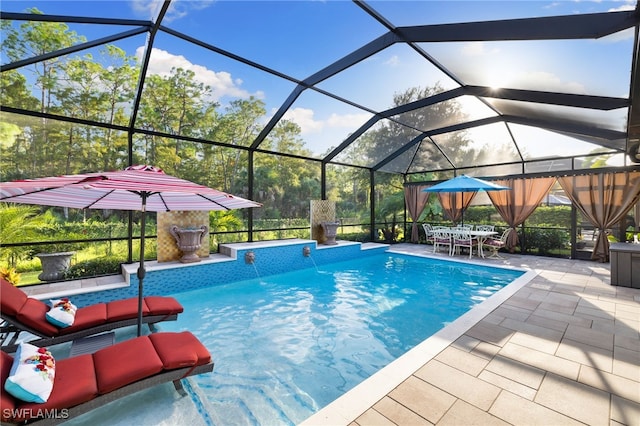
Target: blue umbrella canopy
464,183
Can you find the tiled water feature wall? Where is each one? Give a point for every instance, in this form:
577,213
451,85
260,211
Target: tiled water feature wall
270,257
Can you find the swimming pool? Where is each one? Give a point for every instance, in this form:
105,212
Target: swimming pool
287,345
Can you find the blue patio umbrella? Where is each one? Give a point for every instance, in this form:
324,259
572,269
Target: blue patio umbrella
464,183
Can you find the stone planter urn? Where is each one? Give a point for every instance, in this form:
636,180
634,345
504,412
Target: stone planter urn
54,265
330,231
189,241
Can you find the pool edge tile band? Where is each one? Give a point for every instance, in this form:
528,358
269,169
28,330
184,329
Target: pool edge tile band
348,407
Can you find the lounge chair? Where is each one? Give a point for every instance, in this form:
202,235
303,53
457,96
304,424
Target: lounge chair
22,313
86,382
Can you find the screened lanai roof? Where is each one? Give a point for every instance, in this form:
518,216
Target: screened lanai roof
500,87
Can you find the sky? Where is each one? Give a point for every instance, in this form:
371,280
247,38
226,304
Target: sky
300,38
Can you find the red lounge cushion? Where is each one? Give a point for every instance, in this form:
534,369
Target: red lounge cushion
74,384
124,309
87,317
7,402
179,350
11,298
159,305
33,314
125,363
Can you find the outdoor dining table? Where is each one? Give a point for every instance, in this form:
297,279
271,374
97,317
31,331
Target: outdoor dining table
481,236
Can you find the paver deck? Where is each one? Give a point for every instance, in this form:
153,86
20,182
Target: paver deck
564,349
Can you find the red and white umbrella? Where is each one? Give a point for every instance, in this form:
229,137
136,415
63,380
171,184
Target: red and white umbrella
139,188
128,189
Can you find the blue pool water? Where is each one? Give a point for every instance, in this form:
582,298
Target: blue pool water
287,345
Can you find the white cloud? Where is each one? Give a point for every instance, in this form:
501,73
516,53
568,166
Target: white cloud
305,118
393,61
550,82
347,121
623,35
319,135
628,5
149,9
222,84
496,72
552,5
478,48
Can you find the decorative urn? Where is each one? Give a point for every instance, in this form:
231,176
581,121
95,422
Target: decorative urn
189,241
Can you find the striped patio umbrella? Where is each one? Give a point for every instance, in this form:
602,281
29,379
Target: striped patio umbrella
138,188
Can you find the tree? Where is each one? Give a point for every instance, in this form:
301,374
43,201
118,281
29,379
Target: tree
32,39
174,104
19,223
239,125
285,184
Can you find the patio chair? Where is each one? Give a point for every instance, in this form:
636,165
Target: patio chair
461,238
485,228
464,226
441,237
428,232
25,314
495,244
86,382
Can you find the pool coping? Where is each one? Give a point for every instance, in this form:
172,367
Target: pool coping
348,407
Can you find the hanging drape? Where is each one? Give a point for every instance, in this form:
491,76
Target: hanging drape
603,199
455,203
415,200
516,206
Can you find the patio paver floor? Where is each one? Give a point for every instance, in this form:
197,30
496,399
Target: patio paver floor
564,349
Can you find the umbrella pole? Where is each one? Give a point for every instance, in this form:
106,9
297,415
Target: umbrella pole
141,270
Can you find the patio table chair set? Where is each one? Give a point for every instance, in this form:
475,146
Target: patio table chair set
38,389
466,237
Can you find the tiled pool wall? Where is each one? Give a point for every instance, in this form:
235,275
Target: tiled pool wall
270,258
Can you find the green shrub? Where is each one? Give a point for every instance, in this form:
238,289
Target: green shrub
481,214
545,240
94,267
362,237
553,216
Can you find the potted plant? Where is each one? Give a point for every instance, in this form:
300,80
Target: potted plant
11,275
390,233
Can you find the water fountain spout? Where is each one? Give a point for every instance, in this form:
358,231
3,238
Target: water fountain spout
249,257
306,251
